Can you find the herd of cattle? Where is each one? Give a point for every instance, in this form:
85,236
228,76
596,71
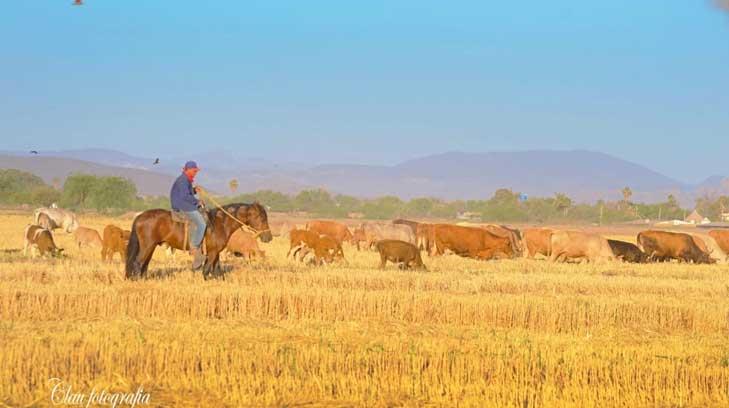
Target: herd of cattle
401,242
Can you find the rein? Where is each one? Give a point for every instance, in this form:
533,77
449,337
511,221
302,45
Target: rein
243,225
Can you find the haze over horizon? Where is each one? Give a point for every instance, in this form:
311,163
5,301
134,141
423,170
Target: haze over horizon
374,83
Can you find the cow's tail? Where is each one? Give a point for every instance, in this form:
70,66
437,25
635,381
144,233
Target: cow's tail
36,216
132,269
639,240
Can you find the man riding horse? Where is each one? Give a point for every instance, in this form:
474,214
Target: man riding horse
183,199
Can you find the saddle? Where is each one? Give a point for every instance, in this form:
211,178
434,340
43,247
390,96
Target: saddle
180,218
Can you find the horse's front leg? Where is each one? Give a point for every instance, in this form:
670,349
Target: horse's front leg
212,266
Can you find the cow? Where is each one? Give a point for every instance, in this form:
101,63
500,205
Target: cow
334,229
60,218
244,244
537,242
412,224
373,232
722,240
513,234
40,241
405,254
627,252
578,245
326,249
471,242
360,236
115,240
87,236
46,222
425,237
664,245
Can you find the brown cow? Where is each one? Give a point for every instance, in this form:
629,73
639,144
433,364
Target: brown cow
577,245
334,229
326,249
115,240
405,254
537,241
87,236
244,244
664,245
513,234
722,240
471,242
40,241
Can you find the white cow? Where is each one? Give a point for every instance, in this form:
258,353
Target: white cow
59,218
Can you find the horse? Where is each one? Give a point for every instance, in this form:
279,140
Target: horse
154,227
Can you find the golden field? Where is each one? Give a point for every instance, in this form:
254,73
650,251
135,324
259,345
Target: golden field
274,333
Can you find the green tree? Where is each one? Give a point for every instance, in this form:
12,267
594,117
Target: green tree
112,193
77,190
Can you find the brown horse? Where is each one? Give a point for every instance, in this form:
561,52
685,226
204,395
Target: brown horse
154,227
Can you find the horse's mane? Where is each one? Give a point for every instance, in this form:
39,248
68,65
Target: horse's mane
231,208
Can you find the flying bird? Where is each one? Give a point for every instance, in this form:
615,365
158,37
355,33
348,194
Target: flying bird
34,152
78,2
156,161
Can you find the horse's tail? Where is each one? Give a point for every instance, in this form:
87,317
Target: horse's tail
132,270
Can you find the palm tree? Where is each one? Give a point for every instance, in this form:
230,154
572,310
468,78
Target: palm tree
562,202
233,185
627,193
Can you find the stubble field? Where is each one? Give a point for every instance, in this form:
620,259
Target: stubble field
275,333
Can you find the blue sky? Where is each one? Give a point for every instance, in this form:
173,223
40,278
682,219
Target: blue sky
371,82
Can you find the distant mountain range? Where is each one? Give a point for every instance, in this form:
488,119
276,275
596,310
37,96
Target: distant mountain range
583,175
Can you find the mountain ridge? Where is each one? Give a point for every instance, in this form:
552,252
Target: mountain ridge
584,175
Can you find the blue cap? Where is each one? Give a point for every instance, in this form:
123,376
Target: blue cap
190,165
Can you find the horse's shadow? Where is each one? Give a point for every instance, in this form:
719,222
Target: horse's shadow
171,272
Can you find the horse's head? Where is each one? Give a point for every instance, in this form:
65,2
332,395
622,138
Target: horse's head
256,217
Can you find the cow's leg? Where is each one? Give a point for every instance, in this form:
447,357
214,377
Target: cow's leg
383,261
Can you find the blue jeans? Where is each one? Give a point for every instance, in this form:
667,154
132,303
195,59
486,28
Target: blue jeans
197,230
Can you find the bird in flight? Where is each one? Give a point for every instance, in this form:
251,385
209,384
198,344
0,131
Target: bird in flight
78,2
156,161
34,152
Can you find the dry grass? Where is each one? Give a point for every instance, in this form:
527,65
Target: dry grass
508,333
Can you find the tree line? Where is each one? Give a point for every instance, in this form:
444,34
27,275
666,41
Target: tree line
504,206
116,194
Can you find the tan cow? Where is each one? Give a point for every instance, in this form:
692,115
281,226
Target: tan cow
537,242
87,236
40,241
371,232
578,245
722,240
115,241
244,244
425,236
334,229
325,248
